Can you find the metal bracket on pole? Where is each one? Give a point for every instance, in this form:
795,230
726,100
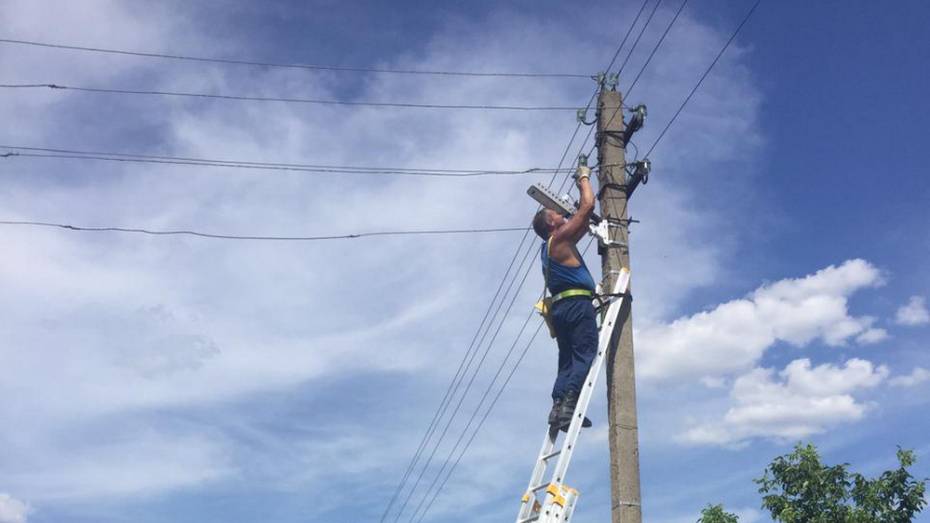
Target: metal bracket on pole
637,120
640,175
601,231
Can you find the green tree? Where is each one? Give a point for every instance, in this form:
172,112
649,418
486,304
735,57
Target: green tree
798,488
893,497
716,514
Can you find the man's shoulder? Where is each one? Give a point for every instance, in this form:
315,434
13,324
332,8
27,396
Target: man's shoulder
561,237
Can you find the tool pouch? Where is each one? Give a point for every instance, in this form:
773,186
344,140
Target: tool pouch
544,308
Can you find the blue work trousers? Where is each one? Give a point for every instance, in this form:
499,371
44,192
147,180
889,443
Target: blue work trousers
576,332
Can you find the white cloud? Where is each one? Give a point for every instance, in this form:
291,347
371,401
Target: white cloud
13,510
913,313
916,377
734,335
872,335
796,403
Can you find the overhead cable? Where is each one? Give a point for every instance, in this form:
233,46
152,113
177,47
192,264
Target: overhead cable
314,67
627,35
656,47
639,36
47,152
182,94
253,237
703,76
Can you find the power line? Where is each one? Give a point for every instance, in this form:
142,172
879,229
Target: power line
640,35
484,396
243,237
182,94
656,47
627,35
703,76
313,67
47,152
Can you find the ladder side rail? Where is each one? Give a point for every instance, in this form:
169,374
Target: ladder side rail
584,398
538,472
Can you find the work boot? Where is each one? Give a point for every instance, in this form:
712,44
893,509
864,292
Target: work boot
554,413
567,409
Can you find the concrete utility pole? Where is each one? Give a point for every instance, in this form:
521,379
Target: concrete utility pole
621,384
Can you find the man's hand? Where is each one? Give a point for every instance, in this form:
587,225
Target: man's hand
583,173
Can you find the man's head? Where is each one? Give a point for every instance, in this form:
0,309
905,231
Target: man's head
547,221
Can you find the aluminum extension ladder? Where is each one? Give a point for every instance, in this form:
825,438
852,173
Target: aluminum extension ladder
559,500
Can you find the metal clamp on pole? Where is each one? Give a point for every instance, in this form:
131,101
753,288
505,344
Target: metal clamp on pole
637,119
640,174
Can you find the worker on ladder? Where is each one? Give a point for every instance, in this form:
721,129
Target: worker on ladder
571,315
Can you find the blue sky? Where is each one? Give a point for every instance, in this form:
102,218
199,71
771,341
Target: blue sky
780,288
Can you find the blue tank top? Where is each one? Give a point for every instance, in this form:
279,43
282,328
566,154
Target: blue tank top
563,277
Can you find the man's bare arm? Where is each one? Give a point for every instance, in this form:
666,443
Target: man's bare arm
576,226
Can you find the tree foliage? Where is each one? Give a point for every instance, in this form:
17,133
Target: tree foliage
716,514
798,487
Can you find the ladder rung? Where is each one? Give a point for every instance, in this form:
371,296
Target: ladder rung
539,487
551,455
531,518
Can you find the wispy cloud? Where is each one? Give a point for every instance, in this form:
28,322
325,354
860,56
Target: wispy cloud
734,335
12,510
916,377
800,401
913,313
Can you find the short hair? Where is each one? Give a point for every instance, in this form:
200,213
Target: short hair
540,225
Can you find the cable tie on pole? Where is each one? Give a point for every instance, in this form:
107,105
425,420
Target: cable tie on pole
621,221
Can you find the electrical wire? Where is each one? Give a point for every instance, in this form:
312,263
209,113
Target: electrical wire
639,36
252,237
627,35
290,65
656,47
46,152
703,76
182,94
